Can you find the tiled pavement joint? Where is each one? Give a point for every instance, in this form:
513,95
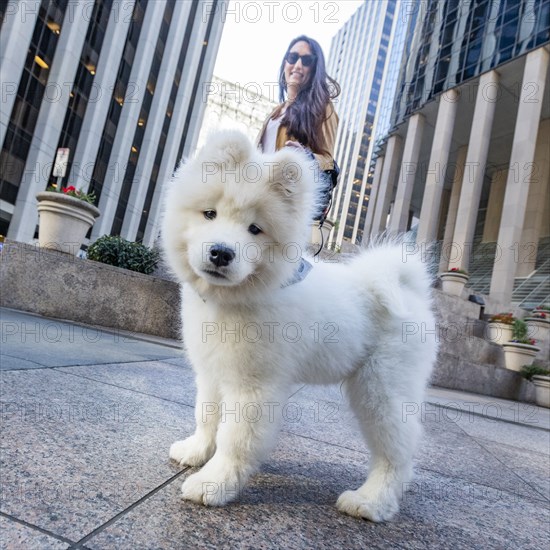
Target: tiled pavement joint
36,528
481,415
80,544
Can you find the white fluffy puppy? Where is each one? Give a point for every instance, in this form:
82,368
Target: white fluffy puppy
234,225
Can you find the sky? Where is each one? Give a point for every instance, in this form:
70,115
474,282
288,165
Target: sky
257,33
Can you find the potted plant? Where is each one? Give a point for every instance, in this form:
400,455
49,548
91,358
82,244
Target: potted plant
500,328
543,308
454,280
541,378
66,215
521,349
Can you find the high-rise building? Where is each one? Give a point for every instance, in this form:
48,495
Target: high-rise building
363,59
118,83
232,106
466,154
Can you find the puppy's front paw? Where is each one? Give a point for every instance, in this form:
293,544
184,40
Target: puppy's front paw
357,504
193,451
211,486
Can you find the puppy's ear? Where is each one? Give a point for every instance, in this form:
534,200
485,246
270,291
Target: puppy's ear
227,147
293,173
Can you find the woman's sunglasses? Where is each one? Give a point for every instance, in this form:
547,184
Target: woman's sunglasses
307,60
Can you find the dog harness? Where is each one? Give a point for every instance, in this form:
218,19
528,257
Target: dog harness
302,271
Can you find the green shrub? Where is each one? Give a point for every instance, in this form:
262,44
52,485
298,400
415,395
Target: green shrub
122,253
519,333
532,370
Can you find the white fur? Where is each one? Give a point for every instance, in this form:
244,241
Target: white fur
363,323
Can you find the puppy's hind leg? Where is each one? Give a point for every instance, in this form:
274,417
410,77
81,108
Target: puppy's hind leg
197,449
391,440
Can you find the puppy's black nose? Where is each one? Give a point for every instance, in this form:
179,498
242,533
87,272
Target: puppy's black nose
221,255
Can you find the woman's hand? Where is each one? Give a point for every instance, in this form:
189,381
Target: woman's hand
290,143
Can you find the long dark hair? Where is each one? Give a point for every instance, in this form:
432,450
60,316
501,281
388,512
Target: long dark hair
304,117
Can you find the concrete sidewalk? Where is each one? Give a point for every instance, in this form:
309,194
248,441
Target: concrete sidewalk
88,416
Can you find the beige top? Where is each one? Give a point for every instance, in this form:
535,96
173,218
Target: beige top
329,128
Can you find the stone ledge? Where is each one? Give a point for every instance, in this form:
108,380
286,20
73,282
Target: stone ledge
61,286
457,373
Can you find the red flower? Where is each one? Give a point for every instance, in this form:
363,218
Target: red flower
70,189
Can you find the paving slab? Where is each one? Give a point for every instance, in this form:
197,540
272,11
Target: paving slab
30,341
326,417
290,504
154,378
16,536
476,405
75,452
83,457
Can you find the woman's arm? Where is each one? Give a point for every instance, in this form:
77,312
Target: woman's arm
329,129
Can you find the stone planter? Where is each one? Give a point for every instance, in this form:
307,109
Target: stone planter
453,283
499,333
518,355
542,390
539,328
64,221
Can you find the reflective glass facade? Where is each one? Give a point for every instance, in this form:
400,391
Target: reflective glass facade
452,41
470,121
30,94
126,74
360,60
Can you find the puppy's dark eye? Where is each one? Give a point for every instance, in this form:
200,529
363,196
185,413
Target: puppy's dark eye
209,214
254,229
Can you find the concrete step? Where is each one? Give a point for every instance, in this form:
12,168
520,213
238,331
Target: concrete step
456,373
467,360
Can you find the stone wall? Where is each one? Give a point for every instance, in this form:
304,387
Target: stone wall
61,286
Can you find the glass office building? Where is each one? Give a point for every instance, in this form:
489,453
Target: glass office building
360,58
117,82
465,159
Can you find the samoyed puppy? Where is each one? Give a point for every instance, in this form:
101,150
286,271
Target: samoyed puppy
235,227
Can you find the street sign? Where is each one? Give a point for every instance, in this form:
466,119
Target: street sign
61,161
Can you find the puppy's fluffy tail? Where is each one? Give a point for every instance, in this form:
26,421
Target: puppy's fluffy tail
398,272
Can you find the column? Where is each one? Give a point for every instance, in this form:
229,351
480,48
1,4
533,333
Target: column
50,122
544,229
198,108
173,141
409,166
373,198
534,220
458,174
387,181
91,132
517,188
474,169
156,118
17,29
129,118
494,206
435,179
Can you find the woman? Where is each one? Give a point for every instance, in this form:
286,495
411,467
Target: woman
306,117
